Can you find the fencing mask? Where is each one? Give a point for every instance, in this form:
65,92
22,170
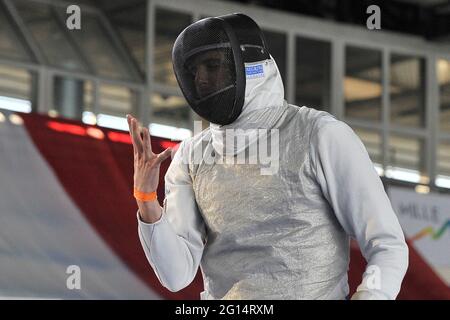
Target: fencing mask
208,60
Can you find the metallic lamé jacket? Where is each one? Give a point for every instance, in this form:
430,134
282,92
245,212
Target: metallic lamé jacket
270,236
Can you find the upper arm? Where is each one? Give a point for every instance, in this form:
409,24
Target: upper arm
180,206
350,183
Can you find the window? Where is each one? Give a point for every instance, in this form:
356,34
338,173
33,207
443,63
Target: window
17,89
362,84
406,159
407,91
170,110
116,100
277,47
443,73
443,158
312,83
443,165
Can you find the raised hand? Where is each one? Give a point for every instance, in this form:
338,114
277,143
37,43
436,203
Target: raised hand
146,167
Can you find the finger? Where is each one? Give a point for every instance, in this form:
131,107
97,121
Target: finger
130,127
149,141
164,155
147,144
136,136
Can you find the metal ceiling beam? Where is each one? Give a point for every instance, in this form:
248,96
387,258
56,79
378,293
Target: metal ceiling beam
70,38
30,42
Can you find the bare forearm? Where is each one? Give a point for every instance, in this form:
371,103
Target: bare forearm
149,211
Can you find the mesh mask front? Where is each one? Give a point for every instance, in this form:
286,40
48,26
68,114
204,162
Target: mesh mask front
206,70
209,66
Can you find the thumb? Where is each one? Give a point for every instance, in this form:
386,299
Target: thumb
164,155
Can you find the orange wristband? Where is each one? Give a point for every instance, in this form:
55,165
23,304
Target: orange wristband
145,196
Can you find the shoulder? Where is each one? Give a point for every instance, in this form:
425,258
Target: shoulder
333,136
318,123
324,130
330,128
